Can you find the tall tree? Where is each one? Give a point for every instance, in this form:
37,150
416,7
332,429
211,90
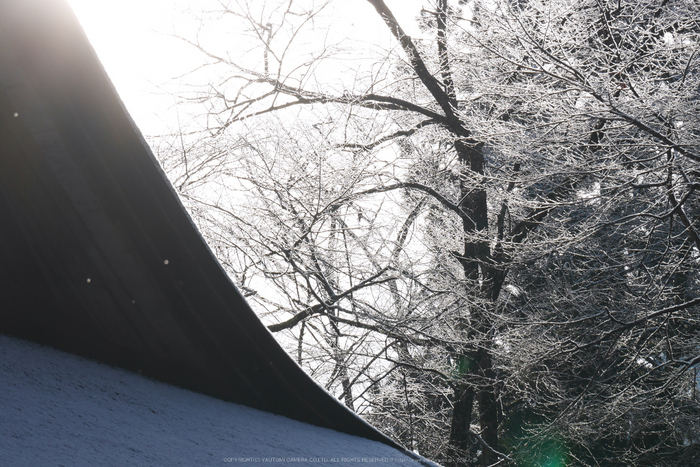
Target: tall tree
503,220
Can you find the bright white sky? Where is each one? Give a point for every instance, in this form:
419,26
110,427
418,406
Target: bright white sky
132,39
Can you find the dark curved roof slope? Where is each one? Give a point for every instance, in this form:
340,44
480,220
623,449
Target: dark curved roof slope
98,256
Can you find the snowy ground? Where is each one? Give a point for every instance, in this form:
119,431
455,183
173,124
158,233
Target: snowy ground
60,410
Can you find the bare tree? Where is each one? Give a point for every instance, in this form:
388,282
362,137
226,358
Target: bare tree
489,247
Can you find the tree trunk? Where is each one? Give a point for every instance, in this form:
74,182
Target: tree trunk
460,437
488,409
476,262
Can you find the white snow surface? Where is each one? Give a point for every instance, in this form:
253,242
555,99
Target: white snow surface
57,409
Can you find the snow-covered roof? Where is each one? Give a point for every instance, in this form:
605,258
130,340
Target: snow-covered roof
59,409
98,256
